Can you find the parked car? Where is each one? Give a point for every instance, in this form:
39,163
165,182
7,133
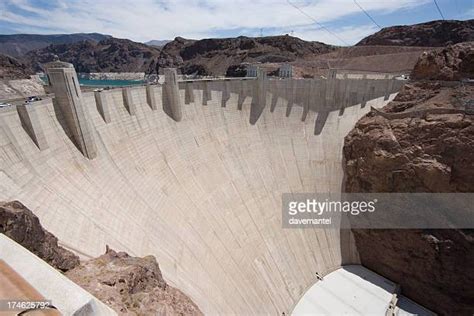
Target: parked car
32,99
4,105
403,77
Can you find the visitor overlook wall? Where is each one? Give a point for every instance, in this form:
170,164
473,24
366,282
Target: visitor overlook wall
192,172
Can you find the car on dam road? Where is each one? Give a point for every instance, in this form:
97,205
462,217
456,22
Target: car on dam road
33,99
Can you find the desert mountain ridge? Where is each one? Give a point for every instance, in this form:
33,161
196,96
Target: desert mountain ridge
17,45
438,33
108,55
157,43
218,56
393,49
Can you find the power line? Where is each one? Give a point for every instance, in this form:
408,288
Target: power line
439,10
314,20
366,13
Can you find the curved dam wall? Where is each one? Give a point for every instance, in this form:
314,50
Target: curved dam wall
201,190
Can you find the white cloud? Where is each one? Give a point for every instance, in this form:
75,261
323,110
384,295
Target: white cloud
143,20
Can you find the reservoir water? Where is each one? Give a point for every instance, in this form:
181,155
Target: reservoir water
110,83
103,83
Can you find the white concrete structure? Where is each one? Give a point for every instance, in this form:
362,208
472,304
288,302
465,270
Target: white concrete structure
68,96
196,183
355,290
252,70
172,104
285,71
68,297
32,125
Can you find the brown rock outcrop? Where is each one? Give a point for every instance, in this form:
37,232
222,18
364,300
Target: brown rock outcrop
433,267
11,68
131,285
438,33
454,62
108,55
419,151
218,56
433,153
20,224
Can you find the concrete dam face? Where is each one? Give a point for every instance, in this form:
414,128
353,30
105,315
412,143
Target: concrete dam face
192,172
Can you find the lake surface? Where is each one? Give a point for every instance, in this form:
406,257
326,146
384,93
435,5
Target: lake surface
110,83
104,83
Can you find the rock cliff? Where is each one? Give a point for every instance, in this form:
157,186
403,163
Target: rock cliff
20,224
452,63
422,152
131,285
11,68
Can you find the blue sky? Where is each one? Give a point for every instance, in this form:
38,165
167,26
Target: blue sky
143,20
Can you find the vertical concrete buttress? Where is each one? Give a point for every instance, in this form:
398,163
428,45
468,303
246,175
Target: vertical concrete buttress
308,97
275,91
315,100
290,93
259,98
188,93
387,87
206,93
128,101
68,96
242,94
150,97
102,105
364,91
331,89
171,98
32,125
225,93
343,93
